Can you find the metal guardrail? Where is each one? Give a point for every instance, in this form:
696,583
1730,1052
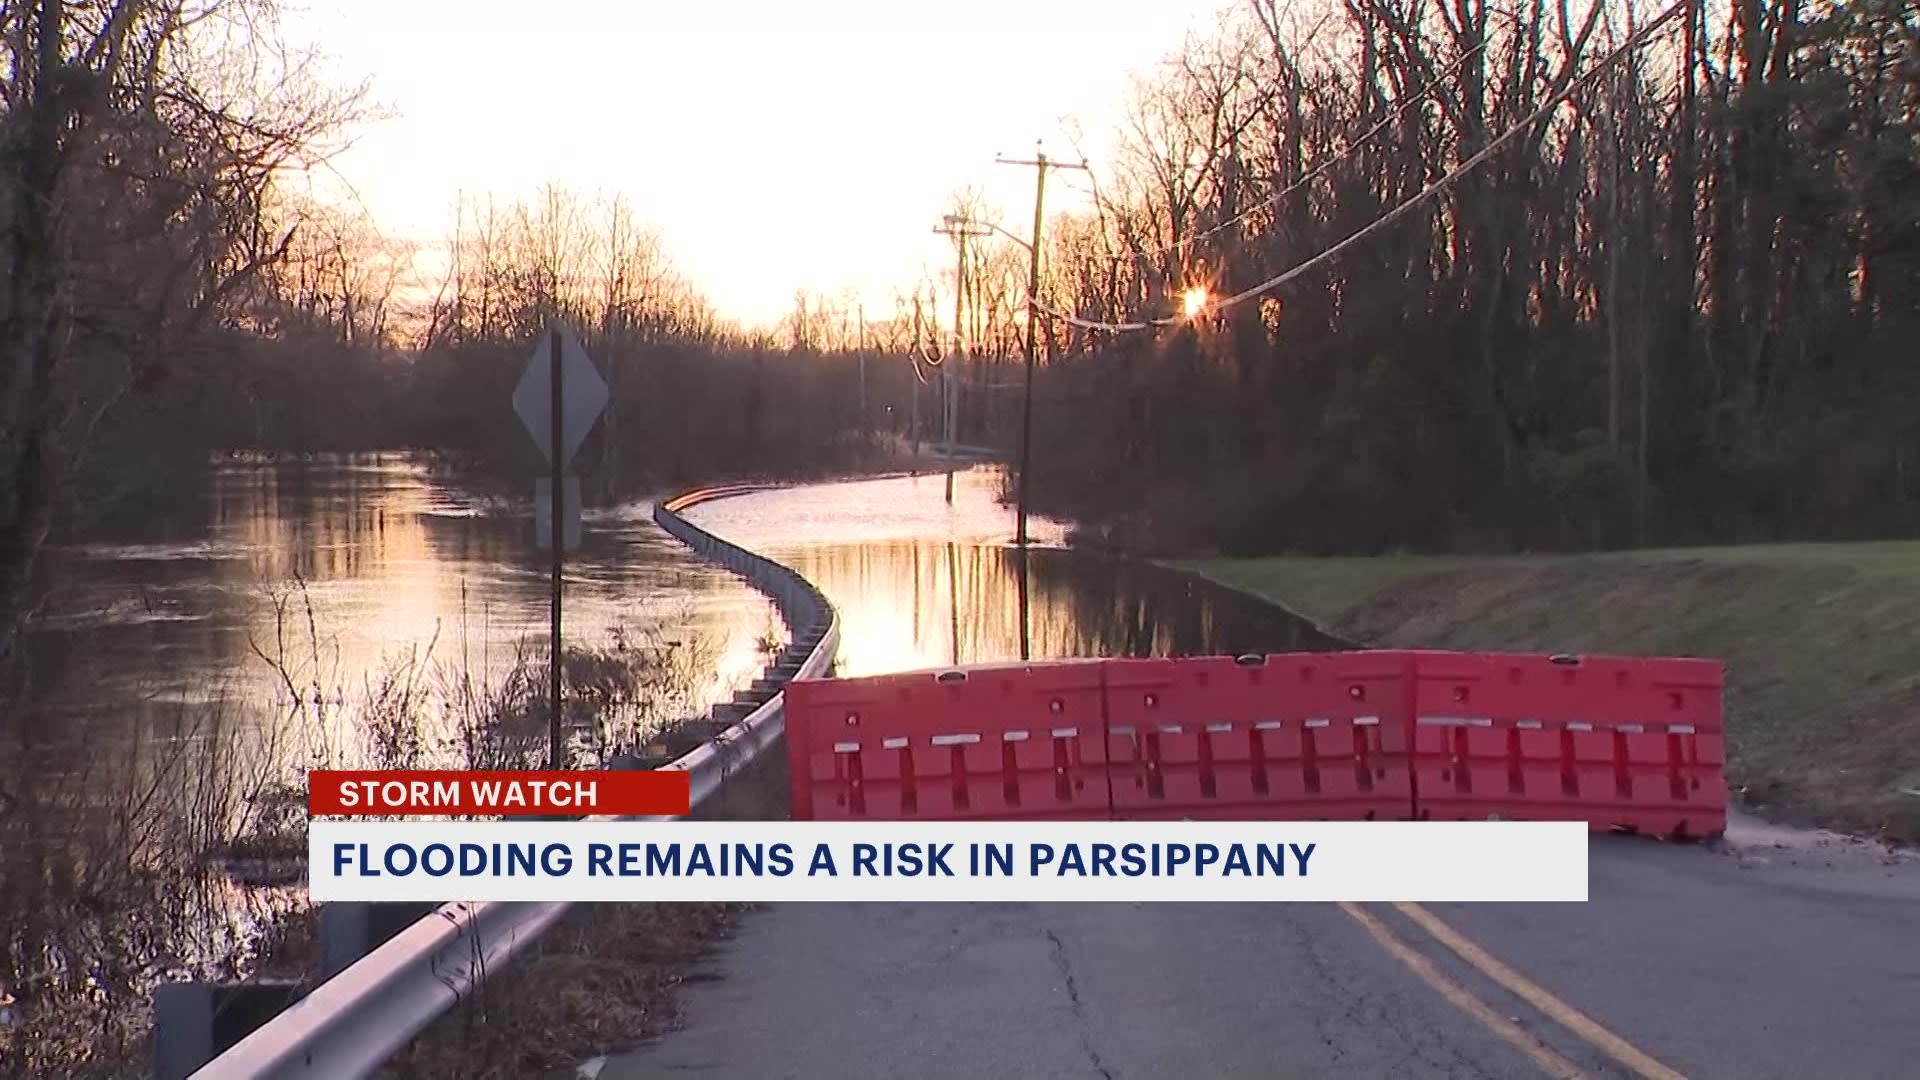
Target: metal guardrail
351,1024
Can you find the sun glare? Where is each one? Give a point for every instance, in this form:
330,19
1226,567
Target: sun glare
1194,301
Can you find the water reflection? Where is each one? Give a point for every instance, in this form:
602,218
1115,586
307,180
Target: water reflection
917,604
335,570
921,584
875,511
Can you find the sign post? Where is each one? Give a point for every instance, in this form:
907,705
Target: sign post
556,506
559,397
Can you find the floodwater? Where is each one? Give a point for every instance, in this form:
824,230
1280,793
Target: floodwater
314,578
922,584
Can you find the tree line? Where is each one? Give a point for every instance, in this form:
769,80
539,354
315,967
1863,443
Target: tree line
142,143
350,356
1677,308
168,289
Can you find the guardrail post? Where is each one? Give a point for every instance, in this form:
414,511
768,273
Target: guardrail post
194,1022
349,931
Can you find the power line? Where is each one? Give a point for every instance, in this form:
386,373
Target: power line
1634,41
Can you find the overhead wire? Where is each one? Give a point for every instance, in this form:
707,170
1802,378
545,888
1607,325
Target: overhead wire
1397,112
1633,42
920,355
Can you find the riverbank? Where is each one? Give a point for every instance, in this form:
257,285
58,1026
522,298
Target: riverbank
1821,644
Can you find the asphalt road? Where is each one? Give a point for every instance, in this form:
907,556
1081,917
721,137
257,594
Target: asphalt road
1776,955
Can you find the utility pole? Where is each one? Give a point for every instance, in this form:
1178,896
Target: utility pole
1040,164
949,409
556,506
960,229
913,361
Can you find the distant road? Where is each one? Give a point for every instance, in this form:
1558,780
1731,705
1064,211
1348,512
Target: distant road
933,452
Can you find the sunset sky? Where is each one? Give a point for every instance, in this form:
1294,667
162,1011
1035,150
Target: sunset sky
776,145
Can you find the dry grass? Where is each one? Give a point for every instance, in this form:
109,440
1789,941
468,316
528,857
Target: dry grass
1821,643
602,980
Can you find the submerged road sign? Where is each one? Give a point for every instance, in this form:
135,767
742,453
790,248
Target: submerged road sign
559,397
583,394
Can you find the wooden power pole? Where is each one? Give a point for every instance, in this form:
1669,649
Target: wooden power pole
960,229
1040,164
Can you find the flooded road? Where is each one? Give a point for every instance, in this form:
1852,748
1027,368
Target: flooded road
920,584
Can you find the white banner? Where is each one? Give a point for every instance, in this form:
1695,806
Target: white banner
1121,861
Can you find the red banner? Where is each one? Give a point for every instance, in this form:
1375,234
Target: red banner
448,793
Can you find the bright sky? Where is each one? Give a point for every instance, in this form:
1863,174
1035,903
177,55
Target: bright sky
777,145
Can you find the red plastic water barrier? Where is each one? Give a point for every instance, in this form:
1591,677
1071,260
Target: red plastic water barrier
1015,741
1295,736
1619,743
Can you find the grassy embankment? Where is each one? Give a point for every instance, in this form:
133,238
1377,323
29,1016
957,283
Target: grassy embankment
1821,644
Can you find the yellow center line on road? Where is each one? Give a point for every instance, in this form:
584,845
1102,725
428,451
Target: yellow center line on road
1559,1011
1541,1054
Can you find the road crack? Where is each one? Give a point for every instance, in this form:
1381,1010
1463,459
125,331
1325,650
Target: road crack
1065,965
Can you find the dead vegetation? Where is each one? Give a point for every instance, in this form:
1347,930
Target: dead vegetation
180,854
601,981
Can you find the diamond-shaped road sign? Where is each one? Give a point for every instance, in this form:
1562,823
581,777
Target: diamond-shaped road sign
583,394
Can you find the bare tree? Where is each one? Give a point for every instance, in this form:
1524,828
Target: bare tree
143,140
